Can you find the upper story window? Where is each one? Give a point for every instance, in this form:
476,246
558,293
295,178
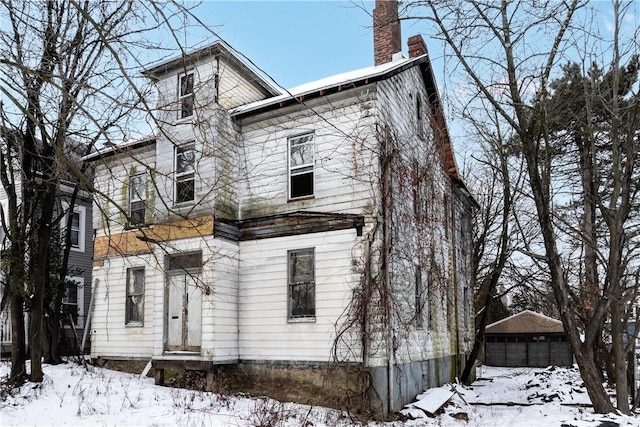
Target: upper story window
185,85
419,119
302,284
76,222
137,198
185,173
301,164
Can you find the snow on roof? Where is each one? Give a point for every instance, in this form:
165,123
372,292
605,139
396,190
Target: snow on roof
326,83
526,322
115,148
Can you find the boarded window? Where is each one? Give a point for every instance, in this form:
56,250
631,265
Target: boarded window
134,314
302,284
186,95
186,261
301,161
137,199
185,173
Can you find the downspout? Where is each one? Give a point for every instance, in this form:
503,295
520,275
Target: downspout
387,206
87,323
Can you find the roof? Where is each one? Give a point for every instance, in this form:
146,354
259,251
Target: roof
525,322
341,81
112,149
217,48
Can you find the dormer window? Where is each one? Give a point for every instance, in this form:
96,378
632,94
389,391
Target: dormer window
185,85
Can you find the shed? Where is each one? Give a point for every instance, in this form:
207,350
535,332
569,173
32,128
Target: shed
527,339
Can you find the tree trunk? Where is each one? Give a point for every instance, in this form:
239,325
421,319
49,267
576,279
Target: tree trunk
619,358
18,341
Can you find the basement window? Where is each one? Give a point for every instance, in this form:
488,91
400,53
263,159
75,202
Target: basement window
185,95
185,173
302,284
301,165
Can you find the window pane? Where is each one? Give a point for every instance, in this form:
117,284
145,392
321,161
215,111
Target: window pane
303,300
302,267
185,158
301,154
137,187
185,261
135,295
75,221
75,238
302,185
186,84
186,110
185,190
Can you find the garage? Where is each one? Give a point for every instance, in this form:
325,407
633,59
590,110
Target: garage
527,339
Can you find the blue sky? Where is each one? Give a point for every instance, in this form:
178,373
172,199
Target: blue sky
296,42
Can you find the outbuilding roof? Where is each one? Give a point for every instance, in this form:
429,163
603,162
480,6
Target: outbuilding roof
526,322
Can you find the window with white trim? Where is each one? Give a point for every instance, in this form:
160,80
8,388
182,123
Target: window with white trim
137,198
185,173
134,310
73,301
302,284
185,94
301,165
76,221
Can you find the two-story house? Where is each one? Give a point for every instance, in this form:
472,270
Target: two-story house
315,240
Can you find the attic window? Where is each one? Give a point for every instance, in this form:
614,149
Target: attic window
301,164
185,95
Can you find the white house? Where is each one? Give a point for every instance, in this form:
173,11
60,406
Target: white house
316,238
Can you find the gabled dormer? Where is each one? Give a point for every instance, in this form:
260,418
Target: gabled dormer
199,80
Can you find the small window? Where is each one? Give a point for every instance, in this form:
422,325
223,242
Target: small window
302,284
134,314
301,164
446,217
185,173
76,223
75,230
419,303
419,119
186,95
137,199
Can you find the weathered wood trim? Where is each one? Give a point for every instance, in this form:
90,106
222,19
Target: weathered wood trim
144,240
288,224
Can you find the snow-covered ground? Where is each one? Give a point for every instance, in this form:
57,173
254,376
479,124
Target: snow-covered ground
73,396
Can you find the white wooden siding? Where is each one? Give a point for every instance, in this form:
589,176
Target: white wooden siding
265,332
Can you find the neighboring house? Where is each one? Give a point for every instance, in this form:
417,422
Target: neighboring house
317,239
78,295
527,339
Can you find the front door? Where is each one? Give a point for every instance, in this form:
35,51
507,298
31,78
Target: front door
184,312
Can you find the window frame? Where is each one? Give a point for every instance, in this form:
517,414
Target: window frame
135,197
181,177
308,168
186,99
292,318
128,321
81,211
78,287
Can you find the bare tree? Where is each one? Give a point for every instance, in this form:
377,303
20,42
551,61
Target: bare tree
69,77
493,45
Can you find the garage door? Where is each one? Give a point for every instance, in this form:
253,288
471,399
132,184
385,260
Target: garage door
534,351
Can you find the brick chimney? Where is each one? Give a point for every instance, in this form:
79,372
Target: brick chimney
386,31
417,46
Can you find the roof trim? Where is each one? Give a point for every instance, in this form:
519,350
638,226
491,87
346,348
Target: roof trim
217,48
113,149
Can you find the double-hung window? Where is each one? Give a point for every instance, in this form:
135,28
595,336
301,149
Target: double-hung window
301,161
185,95
75,220
302,284
137,199
134,313
185,173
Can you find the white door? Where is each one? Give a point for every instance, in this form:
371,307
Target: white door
184,313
